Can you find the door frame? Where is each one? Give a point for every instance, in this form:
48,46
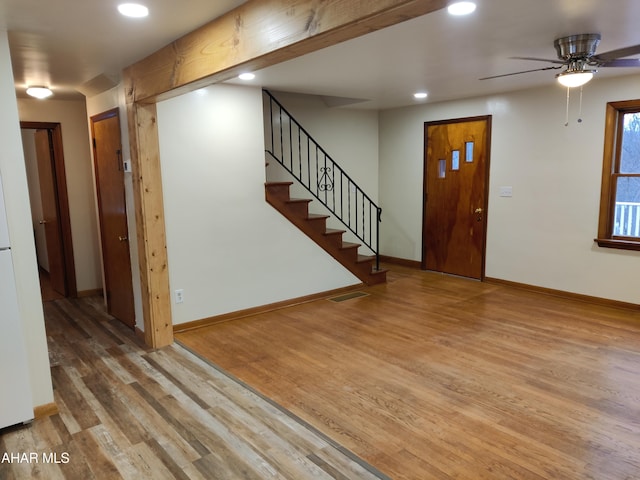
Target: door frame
112,113
487,118
62,195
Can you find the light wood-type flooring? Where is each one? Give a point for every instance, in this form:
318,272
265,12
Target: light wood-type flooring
435,377
127,412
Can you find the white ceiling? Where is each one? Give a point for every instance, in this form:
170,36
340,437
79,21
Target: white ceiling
51,43
66,43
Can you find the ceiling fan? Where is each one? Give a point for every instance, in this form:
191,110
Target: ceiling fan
577,54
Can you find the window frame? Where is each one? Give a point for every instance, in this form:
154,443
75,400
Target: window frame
610,166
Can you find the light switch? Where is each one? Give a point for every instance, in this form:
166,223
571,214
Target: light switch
506,191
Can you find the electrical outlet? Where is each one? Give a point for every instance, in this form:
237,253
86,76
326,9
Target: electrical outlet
179,296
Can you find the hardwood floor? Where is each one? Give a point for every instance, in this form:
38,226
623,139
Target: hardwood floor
132,413
436,377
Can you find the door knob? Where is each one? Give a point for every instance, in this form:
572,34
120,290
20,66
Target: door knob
478,210
42,222
122,239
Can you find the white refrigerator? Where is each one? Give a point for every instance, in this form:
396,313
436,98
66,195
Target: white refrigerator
16,404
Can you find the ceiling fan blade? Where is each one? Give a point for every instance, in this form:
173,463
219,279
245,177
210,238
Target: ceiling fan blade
539,60
621,62
615,54
518,73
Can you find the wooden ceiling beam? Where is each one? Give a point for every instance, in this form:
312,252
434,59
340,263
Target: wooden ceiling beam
258,34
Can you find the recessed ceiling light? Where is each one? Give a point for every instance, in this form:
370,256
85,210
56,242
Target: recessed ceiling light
39,92
420,95
461,8
246,76
134,10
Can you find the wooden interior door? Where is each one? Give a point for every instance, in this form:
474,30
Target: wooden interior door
456,173
50,211
105,129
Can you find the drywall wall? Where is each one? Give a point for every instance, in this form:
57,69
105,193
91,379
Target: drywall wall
72,114
14,178
543,235
114,98
227,248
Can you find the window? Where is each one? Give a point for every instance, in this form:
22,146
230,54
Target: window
619,225
455,160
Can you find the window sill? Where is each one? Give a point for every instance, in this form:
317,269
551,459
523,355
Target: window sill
620,244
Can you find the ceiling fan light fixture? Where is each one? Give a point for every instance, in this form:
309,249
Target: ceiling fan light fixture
39,92
461,8
572,79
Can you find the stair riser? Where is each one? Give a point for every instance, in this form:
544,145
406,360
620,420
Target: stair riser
334,239
279,190
318,225
299,208
374,279
349,254
284,195
364,267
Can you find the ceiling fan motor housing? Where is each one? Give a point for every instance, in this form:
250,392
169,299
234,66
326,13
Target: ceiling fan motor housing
574,47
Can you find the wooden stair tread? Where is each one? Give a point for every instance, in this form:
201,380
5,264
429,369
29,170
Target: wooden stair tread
277,184
333,231
315,216
299,200
347,245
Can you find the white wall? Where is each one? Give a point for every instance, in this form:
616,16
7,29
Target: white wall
97,104
14,178
228,249
544,234
80,187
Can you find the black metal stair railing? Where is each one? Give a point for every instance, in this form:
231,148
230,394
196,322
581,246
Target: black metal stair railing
291,146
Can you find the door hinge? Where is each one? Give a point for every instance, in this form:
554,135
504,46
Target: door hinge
94,143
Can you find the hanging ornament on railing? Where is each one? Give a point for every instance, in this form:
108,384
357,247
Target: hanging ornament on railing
325,184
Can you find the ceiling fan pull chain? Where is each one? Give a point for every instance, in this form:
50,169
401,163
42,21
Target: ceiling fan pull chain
580,110
566,118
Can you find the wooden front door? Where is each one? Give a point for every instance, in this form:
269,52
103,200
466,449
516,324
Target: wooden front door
107,149
50,215
456,177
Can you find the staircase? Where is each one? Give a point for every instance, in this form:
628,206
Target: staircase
300,158
315,226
